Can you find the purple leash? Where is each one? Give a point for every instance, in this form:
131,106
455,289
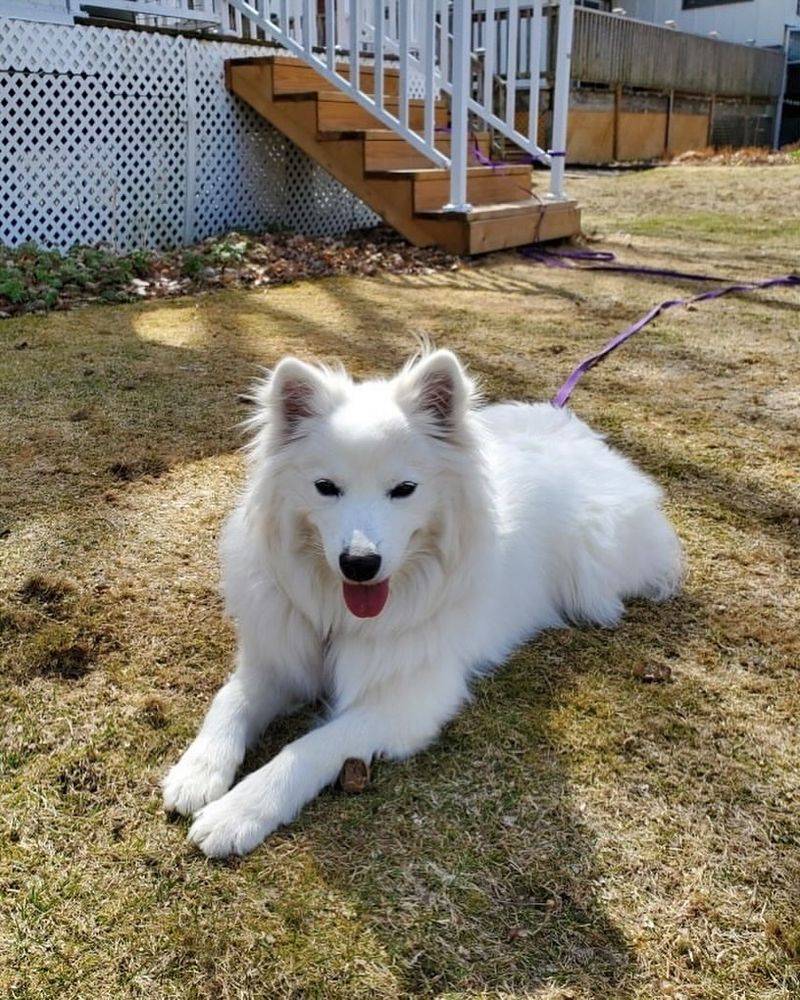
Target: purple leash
604,260
561,398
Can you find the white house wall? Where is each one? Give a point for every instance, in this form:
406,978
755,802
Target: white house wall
762,20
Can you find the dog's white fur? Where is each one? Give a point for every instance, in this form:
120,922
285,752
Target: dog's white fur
523,519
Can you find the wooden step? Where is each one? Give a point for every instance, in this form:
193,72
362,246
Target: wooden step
485,186
514,224
292,76
386,150
337,113
338,133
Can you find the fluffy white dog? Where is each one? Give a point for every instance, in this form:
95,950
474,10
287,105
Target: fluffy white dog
394,540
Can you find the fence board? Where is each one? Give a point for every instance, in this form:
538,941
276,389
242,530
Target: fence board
610,49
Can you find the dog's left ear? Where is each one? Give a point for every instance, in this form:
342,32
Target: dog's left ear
439,390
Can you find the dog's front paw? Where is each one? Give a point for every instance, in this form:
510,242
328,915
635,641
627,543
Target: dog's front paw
228,827
193,782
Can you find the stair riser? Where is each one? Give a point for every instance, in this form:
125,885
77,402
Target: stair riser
499,187
287,80
387,154
341,116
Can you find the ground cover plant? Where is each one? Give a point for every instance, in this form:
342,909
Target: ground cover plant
617,815
36,280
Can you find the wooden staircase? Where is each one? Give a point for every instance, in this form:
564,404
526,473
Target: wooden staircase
387,173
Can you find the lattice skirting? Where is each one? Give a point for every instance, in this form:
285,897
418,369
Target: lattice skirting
131,139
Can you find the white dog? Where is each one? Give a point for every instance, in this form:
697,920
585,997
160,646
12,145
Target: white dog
393,541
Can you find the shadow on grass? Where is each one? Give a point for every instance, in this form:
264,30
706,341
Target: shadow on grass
471,864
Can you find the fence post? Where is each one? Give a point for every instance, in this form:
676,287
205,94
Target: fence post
787,43
712,106
462,25
668,134
561,91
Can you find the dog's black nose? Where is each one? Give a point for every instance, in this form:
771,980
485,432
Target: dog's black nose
359,568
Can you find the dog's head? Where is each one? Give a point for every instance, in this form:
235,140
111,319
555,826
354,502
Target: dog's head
367,472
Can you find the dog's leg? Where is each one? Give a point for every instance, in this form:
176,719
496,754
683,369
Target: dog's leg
239,713
400,721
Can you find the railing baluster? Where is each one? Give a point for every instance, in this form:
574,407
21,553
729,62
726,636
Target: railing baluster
428,39
308,25
355,42
377,71
511,62
330,34
561,97
420,23
341,22
488,57
535,69
405,11
299,29
444,40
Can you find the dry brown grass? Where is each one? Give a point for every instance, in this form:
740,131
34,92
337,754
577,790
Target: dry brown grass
575,833
741,156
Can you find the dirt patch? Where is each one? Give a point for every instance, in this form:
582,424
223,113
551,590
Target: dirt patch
151,466
49,591
82,777
53,653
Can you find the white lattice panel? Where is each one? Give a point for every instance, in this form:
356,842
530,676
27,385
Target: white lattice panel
269,181
131,139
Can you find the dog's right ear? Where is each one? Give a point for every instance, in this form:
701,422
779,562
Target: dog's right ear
294,393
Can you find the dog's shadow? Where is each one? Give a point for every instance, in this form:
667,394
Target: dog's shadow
475,865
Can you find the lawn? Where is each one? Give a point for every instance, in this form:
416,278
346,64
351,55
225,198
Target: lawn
576,833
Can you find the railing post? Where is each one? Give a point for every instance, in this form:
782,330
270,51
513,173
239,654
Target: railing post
561,91
462,29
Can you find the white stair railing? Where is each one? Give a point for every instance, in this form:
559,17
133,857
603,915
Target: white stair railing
475,52
341,41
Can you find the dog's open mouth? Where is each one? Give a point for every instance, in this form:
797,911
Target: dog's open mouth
365,600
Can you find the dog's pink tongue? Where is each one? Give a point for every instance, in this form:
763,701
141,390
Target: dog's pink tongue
365,600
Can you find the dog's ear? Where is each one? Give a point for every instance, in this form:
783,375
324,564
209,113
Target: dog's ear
295,392
438,389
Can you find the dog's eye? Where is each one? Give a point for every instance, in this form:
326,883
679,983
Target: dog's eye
402,490
327,488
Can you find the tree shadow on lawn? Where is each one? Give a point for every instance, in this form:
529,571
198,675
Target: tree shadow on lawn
489,277
471,863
